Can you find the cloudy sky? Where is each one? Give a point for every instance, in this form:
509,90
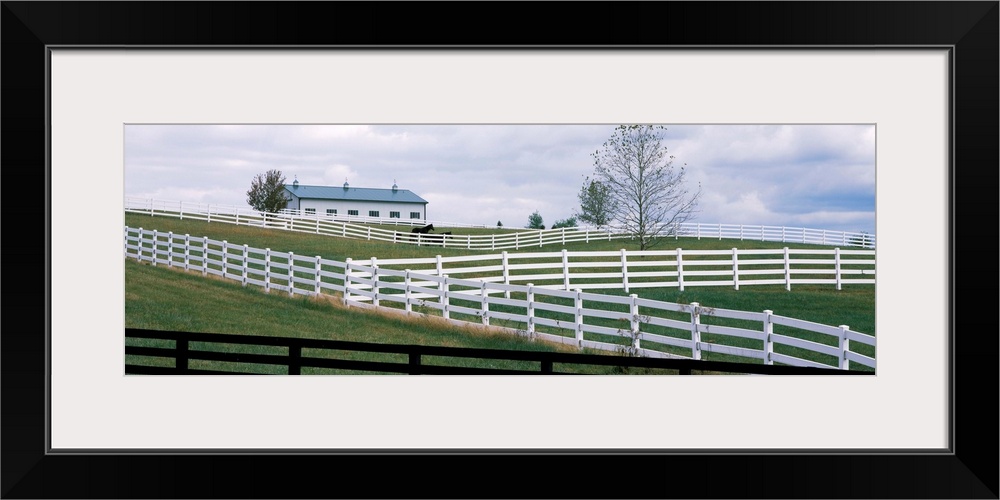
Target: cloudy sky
814,176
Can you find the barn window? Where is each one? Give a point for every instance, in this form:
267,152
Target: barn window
373,213
414,215
311,211
331,211
352,212
393,215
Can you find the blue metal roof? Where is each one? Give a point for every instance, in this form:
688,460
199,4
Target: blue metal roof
353,194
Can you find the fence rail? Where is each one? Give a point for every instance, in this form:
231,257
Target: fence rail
185,349
629,324
360,228
628,270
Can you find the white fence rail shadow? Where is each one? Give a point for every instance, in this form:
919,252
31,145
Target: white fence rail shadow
626,324
360,228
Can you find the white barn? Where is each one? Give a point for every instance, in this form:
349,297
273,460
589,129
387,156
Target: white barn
346,201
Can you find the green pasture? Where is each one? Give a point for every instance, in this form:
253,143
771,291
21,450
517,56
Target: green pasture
854,305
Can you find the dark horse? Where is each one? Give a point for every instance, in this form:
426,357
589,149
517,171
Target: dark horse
421,230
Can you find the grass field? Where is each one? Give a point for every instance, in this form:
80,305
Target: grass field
173,302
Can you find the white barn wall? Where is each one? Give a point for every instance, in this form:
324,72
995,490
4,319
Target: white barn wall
363,207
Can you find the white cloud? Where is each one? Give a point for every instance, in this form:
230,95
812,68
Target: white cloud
750,174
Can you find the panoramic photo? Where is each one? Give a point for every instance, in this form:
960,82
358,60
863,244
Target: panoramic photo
599,249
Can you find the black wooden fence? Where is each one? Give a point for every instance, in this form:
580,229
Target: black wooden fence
181,353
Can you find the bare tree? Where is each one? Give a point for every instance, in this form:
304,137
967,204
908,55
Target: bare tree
649,194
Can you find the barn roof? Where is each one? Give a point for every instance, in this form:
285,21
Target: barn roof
354,194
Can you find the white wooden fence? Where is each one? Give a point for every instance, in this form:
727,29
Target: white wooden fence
359,228
678,268
627,324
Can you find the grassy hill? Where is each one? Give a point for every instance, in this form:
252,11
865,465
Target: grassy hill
151,294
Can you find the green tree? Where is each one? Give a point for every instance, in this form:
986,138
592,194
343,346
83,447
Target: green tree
535,221
570,222
596,203
267,192
650,197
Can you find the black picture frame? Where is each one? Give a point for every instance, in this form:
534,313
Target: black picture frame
968,470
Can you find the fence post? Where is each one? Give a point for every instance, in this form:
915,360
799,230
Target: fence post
225,258
736,271
634,312
170,249
208,209
139,242
845,345
506,273
788,272
695,334
291,274
319,268
154,246
530,299
768,330
486,304
680,270
565,266
246,266
493,241
294,358
564,239
540,238
468,241
181,361
440,270
699,230
517,239
624,271
741,232
369,233
152,212
237,216
406,291
181,204
579,318
375,300
445,313
267,270
782,234
347,280
204,256
836,264
187,251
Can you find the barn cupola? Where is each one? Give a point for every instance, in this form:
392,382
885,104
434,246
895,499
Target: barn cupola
394,186
346,185
295,183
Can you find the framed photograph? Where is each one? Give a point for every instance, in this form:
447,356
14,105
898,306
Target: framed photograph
83,81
